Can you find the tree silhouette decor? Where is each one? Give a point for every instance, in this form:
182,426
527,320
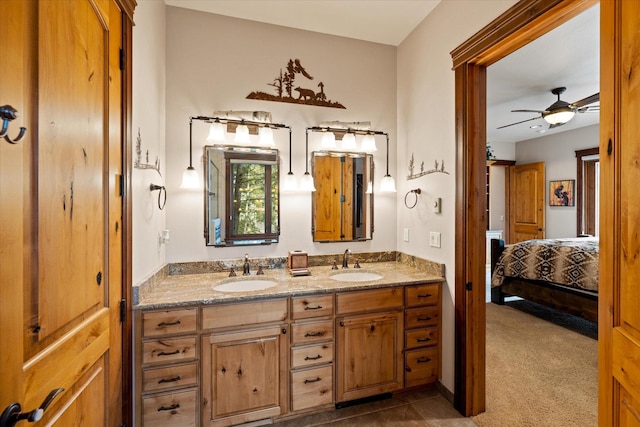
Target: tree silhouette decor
287,90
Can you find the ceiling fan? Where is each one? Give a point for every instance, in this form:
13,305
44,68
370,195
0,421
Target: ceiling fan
560,112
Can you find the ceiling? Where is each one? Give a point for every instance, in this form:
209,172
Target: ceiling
567,56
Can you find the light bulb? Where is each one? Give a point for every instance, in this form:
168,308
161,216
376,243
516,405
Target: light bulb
242,134
328,141
559,117
216,132
349,141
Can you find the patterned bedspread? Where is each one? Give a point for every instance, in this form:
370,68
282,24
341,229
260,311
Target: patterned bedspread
569,262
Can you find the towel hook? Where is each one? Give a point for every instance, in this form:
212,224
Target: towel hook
8,113
154,187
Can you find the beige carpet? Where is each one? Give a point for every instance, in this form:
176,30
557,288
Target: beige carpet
539,373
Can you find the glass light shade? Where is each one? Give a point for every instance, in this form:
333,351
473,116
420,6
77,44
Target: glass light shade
242,134
559,117
290,183
328,141
388,184
216,132
369,188
349,141
306,183
266,137
190,179
369,143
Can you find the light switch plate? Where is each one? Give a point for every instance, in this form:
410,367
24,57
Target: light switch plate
406,235
434,239
437,205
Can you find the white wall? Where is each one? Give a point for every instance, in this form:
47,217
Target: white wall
426,128
497,177
558,154
214,61
148,115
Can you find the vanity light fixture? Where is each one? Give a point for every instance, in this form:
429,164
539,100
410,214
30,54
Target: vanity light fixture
290,182
266,136
349,141
369,143
190,179
328,140
306,183
216,132
388,184
242,134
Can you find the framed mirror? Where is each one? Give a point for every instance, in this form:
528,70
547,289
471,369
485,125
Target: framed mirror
342,205
241,196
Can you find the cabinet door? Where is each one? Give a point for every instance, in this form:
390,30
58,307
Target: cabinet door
244,376
369,355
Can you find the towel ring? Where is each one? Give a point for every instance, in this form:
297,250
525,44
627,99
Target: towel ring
415,201
161,202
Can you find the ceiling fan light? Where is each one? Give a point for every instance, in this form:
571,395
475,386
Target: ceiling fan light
562,116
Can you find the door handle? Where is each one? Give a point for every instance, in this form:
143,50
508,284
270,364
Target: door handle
13,413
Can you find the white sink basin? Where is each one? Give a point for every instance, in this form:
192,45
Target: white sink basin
355,276
245,285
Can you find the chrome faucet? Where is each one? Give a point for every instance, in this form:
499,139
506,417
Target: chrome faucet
345,259
246,270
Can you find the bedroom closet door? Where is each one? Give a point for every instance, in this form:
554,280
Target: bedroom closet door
619,298
525,191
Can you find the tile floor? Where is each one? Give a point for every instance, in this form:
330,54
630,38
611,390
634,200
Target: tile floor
419,409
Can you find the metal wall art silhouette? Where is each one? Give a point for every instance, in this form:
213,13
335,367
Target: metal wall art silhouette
287,90
438,168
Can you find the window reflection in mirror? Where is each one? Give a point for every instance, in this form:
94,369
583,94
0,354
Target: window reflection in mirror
342,205
241,196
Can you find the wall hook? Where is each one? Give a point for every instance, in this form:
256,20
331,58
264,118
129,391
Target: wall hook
161,202
8,113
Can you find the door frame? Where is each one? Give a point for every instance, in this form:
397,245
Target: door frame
522,23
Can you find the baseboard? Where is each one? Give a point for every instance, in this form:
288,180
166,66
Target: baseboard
445,392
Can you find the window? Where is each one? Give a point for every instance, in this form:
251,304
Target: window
587,191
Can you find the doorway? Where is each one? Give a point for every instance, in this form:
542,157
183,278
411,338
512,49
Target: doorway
525,21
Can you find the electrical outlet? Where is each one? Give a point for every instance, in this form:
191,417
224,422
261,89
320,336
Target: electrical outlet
434,239
406,235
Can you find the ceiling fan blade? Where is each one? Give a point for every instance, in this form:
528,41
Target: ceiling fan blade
589,109
586,101
527,111
517,123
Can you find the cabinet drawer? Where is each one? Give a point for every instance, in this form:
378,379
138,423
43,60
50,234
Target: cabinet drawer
175,409
421,367
312,387
421,337
376,299
168,350
167,377
156,323
223,316
313,306
423,295
302,333
309,355
422,316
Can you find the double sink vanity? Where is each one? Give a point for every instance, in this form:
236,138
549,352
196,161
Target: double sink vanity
214,350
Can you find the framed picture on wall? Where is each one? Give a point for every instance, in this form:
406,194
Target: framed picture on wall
562,193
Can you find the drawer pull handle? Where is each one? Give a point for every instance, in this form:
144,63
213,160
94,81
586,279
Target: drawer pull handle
165,324
169,408
313,358
424,339
170,380
423,319
424,295
312,381
317,307
423,360
162,353
314,334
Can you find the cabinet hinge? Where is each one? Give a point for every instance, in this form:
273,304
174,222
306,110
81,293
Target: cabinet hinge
123,313
121,59
120,184
469,286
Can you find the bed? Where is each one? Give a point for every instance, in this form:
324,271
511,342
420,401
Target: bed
558,273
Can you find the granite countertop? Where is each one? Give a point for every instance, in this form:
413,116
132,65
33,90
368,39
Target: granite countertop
197,289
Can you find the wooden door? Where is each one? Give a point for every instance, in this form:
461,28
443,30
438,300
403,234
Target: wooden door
526,202
369,358
61,211
619,293
333,198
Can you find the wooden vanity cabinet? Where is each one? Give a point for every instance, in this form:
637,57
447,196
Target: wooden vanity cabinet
167,370
369,327
244,362
311,351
